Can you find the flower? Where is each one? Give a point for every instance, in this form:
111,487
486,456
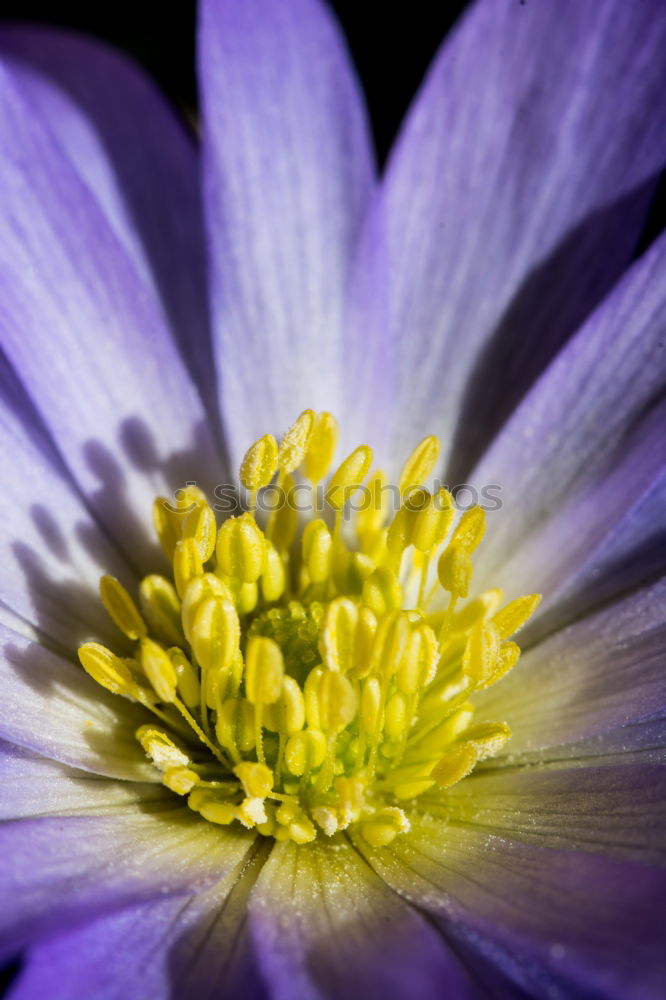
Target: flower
482,291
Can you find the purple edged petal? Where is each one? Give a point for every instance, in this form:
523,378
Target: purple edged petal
584,446
186,946
617,811
325,926
87,338
33,786
52,707
56,552
65,871
557,922
287,172
599,674
513,200
137,158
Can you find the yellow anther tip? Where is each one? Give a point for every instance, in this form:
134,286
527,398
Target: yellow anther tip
420,464
159,670
121,608
259,464
294,444
241,548
264,670
321,447
349,476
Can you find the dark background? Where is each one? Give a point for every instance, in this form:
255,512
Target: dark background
391,50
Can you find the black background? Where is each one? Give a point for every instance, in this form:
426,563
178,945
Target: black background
391,50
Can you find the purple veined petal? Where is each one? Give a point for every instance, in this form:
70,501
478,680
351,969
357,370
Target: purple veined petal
617,811
87,339
56,552
324,926
288,172
33,786
190,945
52,707
622,517
557,922
137,158
513,200
598,675
65,871
641,742
583,445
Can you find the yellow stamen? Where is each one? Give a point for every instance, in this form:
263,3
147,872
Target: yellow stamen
419,465
294,444
301,681
260,463
321,447
121,608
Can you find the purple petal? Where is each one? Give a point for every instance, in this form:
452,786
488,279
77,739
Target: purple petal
52,707
86,336
602,673
65,871
513,201
557,922
616,811
187,946
130,149
325,926
57,553
623,517
287,171
584,446
33,786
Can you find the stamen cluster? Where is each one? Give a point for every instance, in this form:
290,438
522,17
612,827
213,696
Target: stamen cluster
304,678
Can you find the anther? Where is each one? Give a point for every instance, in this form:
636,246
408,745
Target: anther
259,464
107,669
241,548
200,525
121,608
419,465
294,444
159,670
186,564
349,477
321,447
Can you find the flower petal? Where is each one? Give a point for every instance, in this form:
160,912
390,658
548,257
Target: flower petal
34,786
584,446
557,922
57,552
65,871
325,926
52,707
187,945
130,149
87,338
616,811
287,173
597,675
513,200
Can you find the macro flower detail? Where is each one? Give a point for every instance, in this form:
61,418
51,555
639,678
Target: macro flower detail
321,691
289,751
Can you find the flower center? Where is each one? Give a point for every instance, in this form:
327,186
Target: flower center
305,677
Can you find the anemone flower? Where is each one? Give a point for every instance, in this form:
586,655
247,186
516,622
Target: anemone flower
301,761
